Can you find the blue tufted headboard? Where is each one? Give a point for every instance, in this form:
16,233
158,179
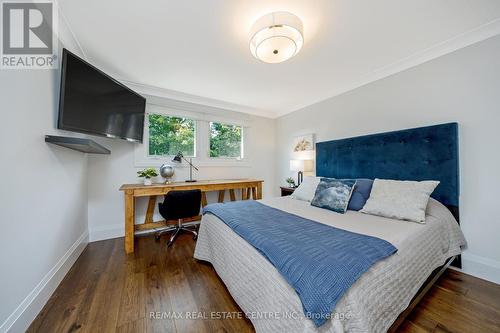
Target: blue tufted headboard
424,153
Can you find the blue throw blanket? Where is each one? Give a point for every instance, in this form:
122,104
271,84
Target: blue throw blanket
319,261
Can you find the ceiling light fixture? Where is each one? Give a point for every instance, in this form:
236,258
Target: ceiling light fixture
276,37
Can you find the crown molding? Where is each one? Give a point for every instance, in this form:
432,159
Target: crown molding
64,21
194,99
453,44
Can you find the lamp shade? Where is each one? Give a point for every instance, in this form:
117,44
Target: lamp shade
276,37
304,155
301,165
178,158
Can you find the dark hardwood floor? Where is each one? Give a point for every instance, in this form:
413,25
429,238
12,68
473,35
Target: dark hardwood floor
106,291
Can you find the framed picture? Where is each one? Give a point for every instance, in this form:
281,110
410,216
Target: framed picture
303,143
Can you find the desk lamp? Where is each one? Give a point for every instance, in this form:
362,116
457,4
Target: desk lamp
178,158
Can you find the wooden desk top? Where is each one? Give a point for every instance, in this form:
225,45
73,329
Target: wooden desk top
205,184
249,188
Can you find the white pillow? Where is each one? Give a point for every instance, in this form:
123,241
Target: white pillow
402,200
306,189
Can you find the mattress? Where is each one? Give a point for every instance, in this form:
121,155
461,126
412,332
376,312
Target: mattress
370,305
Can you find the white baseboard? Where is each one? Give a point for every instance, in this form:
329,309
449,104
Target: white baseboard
106,232
481,267
110,231
29,308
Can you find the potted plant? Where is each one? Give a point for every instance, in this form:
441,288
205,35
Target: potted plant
147,174
290,181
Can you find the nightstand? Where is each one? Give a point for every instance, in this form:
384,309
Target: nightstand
286,191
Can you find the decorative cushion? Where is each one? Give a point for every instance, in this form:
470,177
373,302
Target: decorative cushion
402,200
360,194
333,194
306,189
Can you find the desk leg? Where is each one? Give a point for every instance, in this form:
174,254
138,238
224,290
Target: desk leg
129,221
254,193
151,209
221,195
232,195
203,199
259,191
243,194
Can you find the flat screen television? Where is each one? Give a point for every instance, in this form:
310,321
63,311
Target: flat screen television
92,102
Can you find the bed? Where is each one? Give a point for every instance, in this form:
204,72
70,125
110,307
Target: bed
376,300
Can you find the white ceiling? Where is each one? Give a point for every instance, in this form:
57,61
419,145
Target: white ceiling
200,48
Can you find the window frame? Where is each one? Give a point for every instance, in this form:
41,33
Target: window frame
201,143
146,130
242,143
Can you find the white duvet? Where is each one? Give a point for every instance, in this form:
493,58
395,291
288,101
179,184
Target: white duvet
370,305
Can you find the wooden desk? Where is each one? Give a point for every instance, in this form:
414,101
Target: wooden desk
249,187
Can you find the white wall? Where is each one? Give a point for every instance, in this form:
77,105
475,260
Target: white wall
50,198
463,86
43,194
108,172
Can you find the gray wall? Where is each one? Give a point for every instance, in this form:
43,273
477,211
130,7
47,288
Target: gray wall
43,195
463,86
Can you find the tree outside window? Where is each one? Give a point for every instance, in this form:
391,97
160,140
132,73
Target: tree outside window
170,135
225,140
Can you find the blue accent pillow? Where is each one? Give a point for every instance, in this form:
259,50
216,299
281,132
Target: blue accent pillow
360,194
333,194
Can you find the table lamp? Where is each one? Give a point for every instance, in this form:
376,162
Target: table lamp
178,158
301,166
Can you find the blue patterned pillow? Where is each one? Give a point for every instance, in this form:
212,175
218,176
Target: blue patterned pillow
333,194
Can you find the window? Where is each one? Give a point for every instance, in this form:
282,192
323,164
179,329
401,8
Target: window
170,135
225,140
210,138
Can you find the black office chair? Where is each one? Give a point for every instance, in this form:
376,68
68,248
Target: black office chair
179,205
